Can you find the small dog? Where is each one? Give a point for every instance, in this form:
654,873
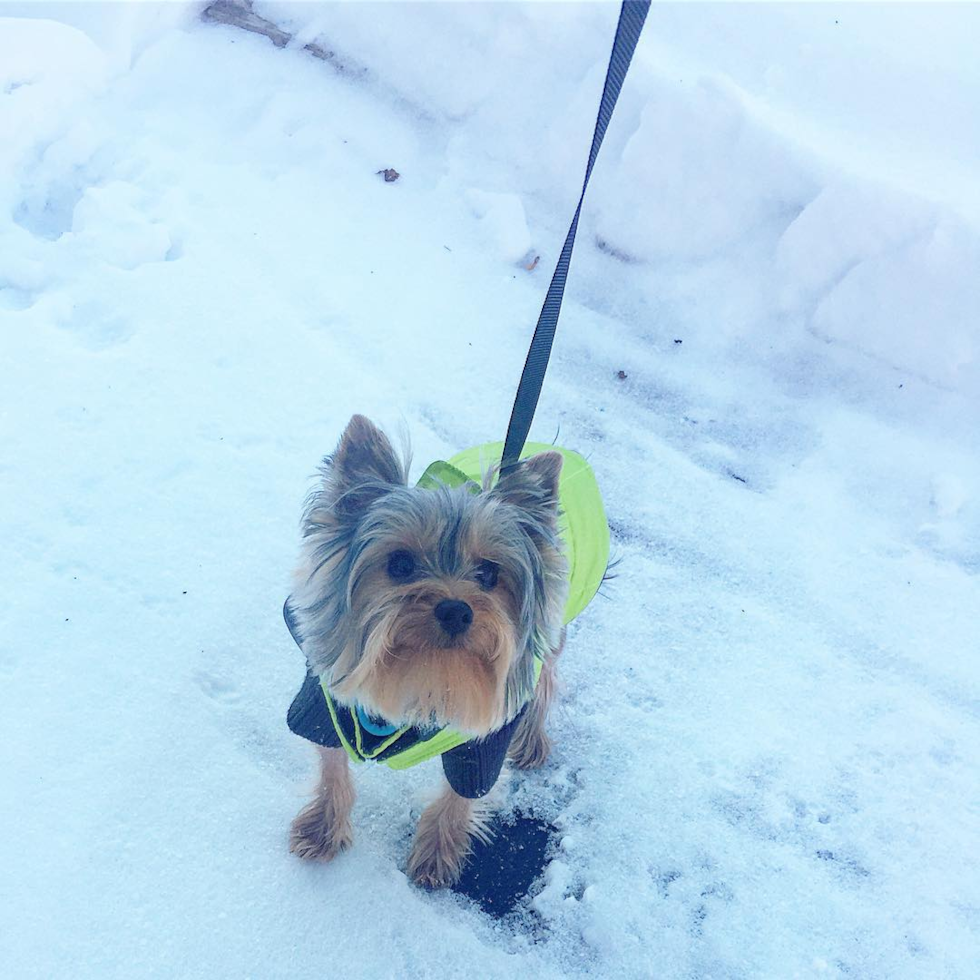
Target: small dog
423,609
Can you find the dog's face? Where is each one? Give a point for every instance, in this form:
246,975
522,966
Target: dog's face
425,606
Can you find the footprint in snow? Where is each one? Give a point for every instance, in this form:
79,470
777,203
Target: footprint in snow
97,328
218,688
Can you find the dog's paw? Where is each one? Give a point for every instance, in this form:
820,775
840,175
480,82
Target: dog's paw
317,835
531,753
438,868
440,851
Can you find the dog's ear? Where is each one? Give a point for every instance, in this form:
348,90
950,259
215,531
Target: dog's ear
363,468
365,454
532,485
530,490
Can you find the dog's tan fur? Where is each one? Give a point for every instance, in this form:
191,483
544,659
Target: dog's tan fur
411,671
322,829
530,746
444,838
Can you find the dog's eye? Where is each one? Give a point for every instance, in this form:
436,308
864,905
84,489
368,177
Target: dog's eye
486,574
401,565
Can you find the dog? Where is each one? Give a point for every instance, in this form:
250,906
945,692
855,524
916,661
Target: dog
431,618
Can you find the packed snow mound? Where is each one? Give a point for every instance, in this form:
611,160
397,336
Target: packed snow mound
914,306
48,72
707,173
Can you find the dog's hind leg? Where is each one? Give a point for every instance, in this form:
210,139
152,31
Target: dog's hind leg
530,746
444,838
322,829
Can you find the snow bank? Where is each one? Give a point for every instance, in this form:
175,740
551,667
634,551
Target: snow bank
703,151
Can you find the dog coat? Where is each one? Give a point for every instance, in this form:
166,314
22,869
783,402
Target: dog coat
471,765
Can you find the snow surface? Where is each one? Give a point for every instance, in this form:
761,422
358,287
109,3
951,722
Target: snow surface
767,751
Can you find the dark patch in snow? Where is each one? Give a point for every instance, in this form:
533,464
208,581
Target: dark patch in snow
616,253
846,864
664,879
499,874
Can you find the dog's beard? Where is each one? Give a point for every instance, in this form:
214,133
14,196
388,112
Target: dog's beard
412,673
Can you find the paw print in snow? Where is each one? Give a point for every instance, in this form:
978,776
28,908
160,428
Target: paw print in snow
109,224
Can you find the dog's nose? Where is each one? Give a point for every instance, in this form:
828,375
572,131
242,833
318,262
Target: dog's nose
454,616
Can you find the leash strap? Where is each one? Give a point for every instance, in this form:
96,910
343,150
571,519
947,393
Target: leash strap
631,17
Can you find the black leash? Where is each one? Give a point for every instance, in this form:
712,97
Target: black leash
631,18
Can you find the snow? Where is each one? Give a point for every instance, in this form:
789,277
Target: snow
766,756
503,223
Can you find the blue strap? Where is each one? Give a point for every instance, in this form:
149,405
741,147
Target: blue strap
631,18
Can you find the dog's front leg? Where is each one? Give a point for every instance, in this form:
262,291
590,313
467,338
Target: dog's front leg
444,839
322,829
530,746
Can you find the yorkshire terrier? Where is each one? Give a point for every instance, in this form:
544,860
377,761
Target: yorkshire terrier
418,610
